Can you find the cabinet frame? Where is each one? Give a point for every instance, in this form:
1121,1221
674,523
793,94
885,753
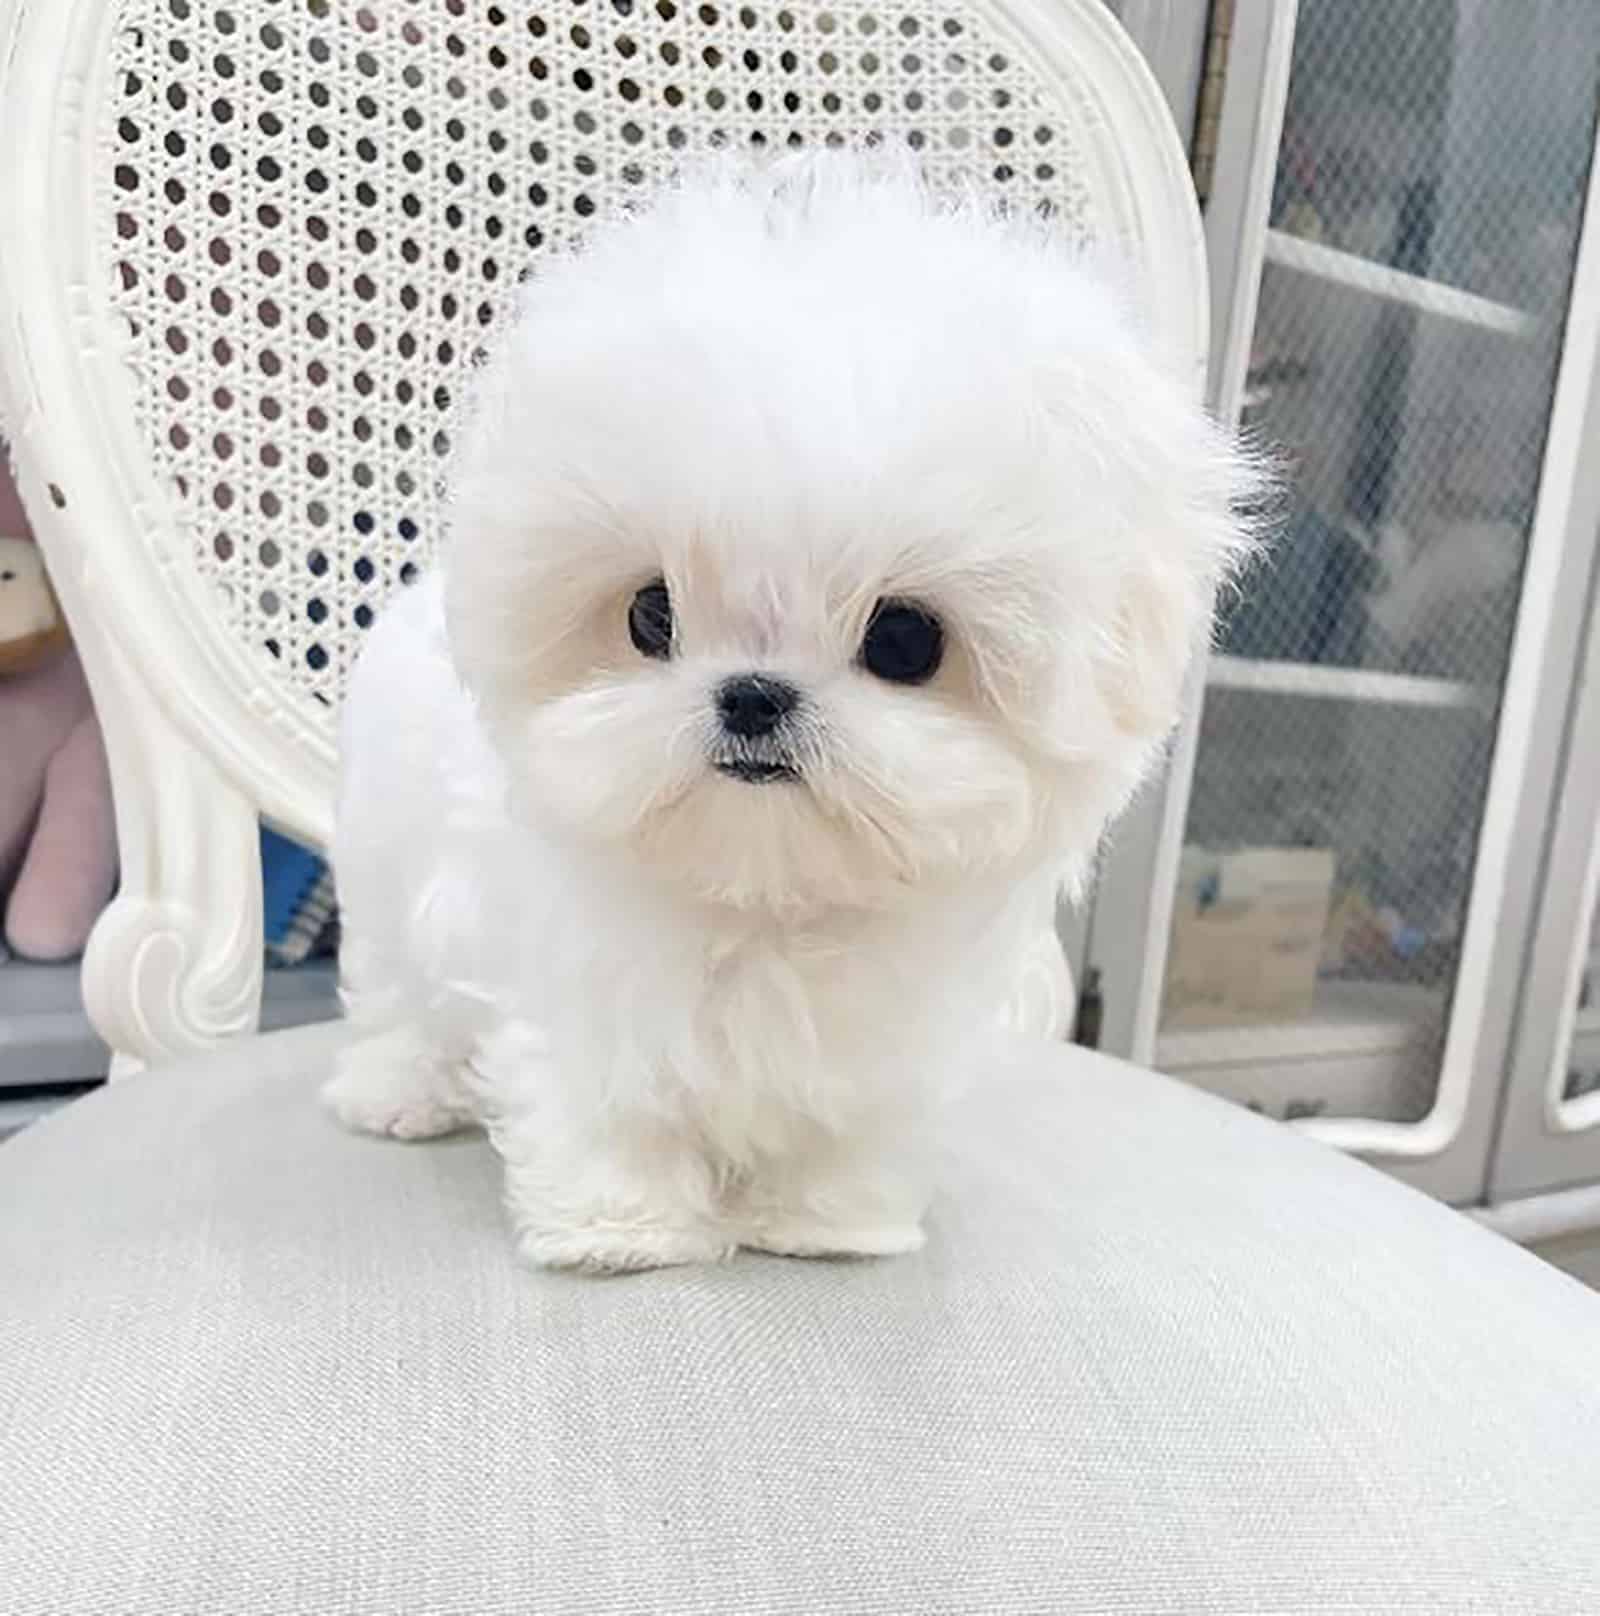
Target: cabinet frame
1547,1143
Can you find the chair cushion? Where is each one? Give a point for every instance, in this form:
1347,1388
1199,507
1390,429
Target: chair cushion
1159,1355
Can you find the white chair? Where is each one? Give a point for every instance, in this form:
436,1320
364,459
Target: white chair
1158,1355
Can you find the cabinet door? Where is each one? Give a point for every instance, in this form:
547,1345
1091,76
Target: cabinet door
1421,362
1550,1130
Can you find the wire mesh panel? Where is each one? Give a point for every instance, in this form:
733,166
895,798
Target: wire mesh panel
1424,222
318,208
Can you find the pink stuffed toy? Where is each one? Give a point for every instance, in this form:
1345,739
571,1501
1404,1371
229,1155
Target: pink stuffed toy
58,842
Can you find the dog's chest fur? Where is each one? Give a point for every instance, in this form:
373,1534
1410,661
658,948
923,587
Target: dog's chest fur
752,1029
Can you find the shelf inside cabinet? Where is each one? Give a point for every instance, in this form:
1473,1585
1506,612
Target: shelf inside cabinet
1365,1050
1344,684
1395,285
1349,1018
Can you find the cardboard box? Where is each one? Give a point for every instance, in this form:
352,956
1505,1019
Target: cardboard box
1247,933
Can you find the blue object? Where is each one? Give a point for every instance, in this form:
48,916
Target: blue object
290,875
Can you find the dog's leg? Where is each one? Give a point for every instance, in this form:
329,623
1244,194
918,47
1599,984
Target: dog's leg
609,1194
400,1082
841,1198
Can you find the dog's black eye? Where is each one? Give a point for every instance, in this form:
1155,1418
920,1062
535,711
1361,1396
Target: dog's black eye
903,643
650,620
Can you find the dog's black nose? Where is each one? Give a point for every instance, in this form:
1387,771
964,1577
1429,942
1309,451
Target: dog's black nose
751,705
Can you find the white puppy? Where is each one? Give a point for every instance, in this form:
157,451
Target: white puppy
824,562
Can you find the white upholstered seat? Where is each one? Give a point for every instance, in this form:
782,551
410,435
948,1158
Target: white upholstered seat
1159,1355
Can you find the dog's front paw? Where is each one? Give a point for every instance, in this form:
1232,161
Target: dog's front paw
613,1250
804,1237
393,1084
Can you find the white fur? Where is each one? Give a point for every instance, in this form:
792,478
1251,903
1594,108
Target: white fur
697,1013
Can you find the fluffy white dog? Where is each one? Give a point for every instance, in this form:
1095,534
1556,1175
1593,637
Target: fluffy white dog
824,562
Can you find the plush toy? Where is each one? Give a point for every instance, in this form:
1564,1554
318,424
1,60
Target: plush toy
58,844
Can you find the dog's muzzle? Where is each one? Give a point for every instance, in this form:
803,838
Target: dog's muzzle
755,771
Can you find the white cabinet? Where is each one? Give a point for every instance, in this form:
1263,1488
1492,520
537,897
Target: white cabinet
1550,1135
1408,313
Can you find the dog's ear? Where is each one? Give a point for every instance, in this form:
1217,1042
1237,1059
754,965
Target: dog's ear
1204,503
1156,502
1162,612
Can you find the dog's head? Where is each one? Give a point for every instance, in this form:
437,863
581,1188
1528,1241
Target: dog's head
814,542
